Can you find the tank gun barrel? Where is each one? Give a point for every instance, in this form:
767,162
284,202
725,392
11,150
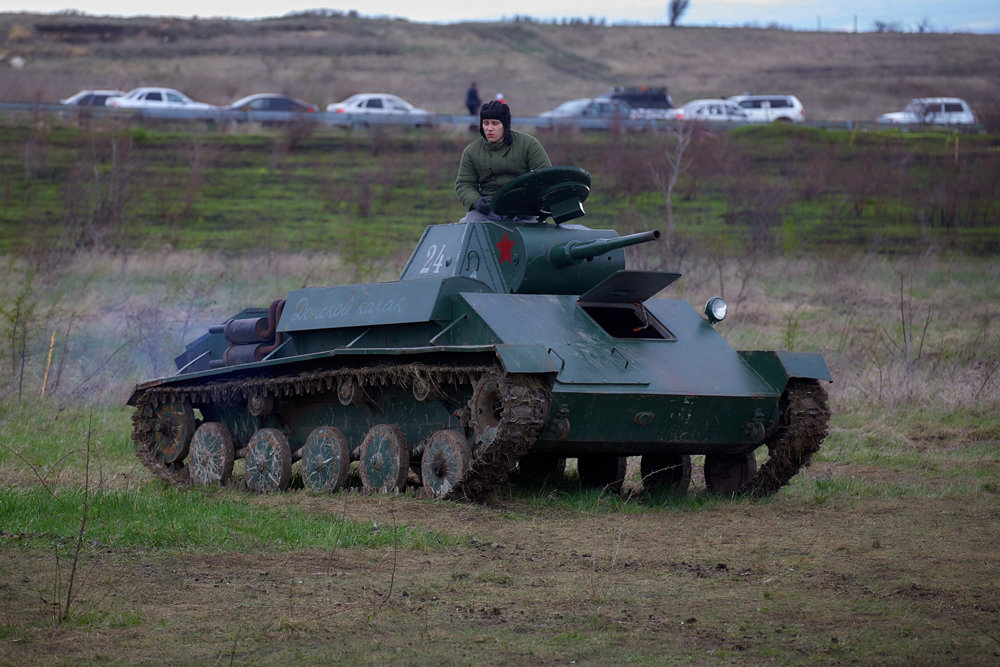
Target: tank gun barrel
573,252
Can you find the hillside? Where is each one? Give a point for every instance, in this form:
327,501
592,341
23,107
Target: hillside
323,59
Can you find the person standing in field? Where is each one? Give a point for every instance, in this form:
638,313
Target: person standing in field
496,158
472,101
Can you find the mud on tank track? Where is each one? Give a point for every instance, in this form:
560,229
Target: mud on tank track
805,423
523,407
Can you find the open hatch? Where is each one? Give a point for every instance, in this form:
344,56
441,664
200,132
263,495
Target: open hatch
616,304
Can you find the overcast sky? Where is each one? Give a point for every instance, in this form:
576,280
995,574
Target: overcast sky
955,16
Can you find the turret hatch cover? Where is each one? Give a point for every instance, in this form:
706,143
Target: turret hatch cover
556,191
629,287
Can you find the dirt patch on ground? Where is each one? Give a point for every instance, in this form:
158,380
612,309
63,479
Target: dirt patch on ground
785,580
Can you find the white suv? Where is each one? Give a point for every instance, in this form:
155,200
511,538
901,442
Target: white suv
768,108
931,111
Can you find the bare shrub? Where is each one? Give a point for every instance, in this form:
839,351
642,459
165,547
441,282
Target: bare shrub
35,150
330,192
441,166
99,194
818,172
676,160
364,198
21,317
755,205
960,195
859,183
988,113
200,157
293,133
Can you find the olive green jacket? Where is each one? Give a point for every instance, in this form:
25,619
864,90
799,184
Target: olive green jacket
486,167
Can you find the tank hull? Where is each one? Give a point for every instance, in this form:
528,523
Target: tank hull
675,389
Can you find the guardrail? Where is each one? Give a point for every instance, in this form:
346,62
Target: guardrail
328,118
457,122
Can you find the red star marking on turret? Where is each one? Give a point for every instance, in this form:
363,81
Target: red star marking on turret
505,245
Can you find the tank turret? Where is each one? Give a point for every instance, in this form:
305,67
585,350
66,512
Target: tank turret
517,258
521,253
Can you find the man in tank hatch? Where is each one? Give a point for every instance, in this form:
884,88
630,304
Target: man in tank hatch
493,160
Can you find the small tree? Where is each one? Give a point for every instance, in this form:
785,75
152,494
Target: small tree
675,9
676,161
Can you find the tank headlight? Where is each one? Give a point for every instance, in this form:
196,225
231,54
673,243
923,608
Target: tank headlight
715,309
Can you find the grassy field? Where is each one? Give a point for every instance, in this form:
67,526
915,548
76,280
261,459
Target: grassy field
883,550
115,186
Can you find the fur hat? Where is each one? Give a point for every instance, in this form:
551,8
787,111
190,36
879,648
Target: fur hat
497,111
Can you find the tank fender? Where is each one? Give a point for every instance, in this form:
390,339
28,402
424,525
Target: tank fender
527,359
777,367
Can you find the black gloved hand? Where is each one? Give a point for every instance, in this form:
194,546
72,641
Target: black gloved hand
483,205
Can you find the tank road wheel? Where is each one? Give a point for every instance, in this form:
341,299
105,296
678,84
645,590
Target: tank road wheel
173,427
666,471
487,409
326,460
211,461
447,458
349,392
268,461
605,471
385,459
728,473
424,389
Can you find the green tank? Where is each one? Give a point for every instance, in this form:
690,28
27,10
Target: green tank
514,342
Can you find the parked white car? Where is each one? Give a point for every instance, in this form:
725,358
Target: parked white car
771,108
156,98
376,104
931,111
711,111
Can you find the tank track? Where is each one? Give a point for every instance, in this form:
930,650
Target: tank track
805,423
142,437
526,406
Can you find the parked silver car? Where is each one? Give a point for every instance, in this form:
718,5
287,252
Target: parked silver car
376,104
156,98
91,98
590,107
711,111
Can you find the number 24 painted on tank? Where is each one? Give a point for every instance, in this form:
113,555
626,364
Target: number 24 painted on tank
435,259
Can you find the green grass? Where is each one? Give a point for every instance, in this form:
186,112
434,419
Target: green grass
767,188
168,518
